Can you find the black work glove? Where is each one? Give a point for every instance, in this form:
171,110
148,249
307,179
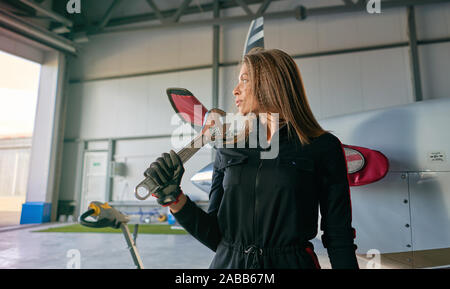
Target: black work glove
166,172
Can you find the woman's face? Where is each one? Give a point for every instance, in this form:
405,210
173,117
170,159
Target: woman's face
245,100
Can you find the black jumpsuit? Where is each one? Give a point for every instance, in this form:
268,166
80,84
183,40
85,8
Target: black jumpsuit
263,212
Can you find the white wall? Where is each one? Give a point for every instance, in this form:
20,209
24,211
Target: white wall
134,106
434,65
137,106
335,84
143,51
433,21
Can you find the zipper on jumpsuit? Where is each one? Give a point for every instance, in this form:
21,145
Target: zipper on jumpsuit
254,249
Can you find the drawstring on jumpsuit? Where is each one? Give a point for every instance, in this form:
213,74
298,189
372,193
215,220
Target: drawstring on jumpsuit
254,253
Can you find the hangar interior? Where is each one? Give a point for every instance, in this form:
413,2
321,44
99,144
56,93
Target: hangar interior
103,116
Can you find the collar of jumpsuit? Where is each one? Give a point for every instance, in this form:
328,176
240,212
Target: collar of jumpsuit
258,136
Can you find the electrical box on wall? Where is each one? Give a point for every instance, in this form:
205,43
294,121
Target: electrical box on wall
118,169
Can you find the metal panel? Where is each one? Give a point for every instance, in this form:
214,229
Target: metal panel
380,215
359,82
363,86
131,107
97,145
68,186
381,88
360,29
143,51
430,210
434,64
310,72
74,104
340,83
227,81
194,46
135,106
198,82
292,36
97,115
233,34
433,21
137,155
94,178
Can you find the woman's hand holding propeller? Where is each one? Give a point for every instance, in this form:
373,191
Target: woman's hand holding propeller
164,176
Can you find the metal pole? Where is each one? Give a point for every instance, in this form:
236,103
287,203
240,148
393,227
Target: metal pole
180,10
262,9
244,7
108,14
109,172
414,55
156,11
80,172
132,246
215,62
216,56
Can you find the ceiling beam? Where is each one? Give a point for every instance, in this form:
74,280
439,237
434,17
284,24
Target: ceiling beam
354,2
245,7
55,16
262,9
294,13
107,16
167,14
180,10
156,10
348,2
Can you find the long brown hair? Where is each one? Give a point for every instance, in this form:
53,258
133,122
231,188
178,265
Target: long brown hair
277,86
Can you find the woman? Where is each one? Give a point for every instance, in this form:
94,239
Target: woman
263,212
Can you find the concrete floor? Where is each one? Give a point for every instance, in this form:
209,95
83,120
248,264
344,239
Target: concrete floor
23,248
26,249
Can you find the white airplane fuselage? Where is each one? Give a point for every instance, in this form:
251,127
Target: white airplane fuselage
405,216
